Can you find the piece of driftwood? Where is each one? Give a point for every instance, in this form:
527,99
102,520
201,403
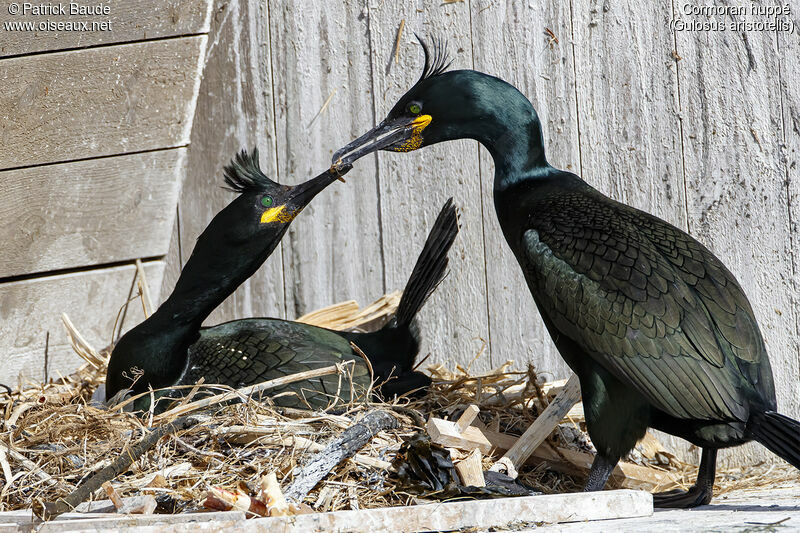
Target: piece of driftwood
50,510
344,446
542,427
459,434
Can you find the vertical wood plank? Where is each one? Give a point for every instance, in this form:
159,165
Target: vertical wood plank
414,186
234,111
735,174
321,56
789,64
540,66
627,104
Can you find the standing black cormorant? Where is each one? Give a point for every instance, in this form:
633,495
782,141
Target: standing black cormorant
170,348
658,331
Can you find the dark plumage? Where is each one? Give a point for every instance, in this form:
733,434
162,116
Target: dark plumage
659,332
171,348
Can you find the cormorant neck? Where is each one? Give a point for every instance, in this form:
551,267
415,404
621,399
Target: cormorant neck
517,149
508,126
214,271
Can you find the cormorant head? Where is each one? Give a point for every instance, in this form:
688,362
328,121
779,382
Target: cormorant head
445,105
270,206
244,234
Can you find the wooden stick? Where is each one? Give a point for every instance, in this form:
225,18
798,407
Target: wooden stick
112,495
252,389
397,41
543,425
344,446
467,417
7,474
630,475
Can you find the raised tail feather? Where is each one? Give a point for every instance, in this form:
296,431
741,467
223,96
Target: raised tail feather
431,264
778,433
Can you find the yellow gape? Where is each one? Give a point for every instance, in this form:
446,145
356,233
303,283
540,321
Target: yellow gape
278,214
415,141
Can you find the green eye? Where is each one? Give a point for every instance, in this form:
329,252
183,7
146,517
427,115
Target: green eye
414,108
266,201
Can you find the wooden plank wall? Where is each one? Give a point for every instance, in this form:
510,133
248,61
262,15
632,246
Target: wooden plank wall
94,127
700,128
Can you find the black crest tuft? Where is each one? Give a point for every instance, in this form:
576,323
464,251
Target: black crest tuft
436,58
243,173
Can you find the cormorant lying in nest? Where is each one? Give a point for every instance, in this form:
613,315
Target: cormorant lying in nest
658,331
171,348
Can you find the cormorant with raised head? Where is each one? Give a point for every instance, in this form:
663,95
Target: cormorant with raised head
658,331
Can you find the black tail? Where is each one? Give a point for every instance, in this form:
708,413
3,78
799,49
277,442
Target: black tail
393,349
780,434
431,264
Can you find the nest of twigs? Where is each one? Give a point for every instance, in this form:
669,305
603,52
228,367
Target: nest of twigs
53,437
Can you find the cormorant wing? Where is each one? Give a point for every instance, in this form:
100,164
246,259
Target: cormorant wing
250,351
647,302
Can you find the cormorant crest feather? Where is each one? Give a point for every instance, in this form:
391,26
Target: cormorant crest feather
243,173
436,58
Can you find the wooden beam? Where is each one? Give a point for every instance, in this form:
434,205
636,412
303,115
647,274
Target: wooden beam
98,101
86,213
470,470
502,513
131,20
31,308
629,475
447,433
